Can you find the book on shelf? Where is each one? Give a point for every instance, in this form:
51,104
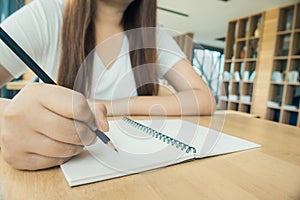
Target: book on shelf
226,76
242,67
245,99
237,76
293,76
257,31
289,19
290,107
246,76
286,45
243,52
223,98
273,104
233,97
252,76
255,53
277,77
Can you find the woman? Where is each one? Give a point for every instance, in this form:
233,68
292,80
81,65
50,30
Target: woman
37,126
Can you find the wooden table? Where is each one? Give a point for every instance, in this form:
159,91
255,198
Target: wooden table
16,85
27,77
271,172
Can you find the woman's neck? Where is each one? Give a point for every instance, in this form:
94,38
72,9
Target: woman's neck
110,12
108,29
108,19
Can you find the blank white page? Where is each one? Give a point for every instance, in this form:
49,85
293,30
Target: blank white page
139,151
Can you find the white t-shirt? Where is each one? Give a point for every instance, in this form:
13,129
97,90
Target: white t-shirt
37,29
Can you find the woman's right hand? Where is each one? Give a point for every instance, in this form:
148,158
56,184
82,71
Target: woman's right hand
45,125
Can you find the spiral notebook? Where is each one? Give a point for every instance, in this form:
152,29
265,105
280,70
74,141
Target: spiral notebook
148,144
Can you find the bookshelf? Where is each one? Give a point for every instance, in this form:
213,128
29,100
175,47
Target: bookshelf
274,55
241,62
284,93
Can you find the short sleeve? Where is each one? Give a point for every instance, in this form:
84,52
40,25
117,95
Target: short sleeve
29,27
169,53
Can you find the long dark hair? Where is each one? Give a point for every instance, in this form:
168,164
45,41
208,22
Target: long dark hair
79,39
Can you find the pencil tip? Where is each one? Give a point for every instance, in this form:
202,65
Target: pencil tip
116,150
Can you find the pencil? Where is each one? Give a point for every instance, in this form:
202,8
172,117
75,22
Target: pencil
42,75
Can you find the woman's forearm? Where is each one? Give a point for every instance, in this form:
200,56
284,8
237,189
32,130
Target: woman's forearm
3,104
191,102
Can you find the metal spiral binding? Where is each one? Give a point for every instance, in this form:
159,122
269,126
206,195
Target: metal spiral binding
169,140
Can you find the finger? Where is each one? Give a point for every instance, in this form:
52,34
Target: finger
102,123
45,146
62,129
63,101
33,161
101,117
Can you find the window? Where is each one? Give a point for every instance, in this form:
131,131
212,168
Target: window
209,65
7,7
